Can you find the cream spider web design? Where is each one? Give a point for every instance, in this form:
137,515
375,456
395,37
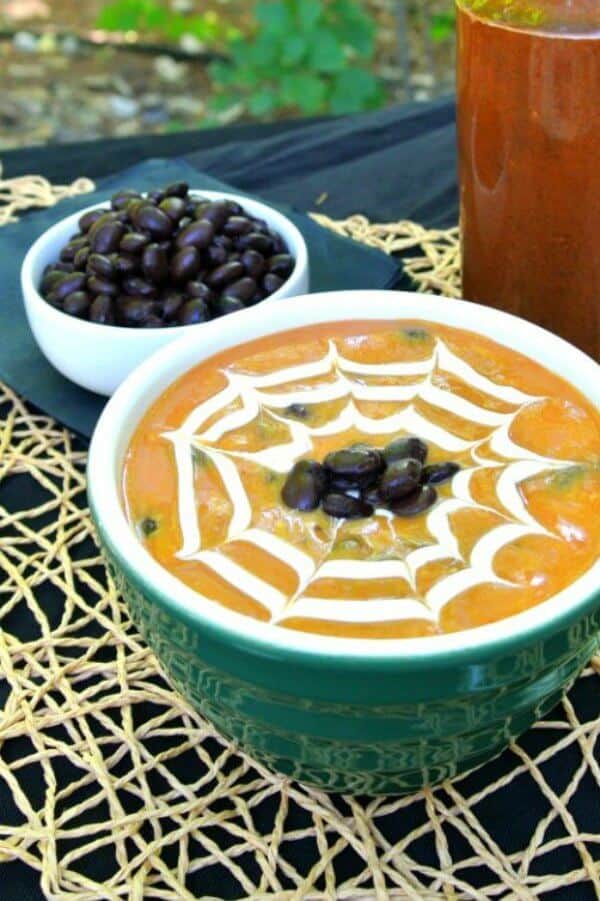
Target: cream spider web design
336,378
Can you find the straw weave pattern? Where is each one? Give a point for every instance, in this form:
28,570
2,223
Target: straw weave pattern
101,757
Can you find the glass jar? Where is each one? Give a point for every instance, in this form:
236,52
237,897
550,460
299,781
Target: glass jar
529,150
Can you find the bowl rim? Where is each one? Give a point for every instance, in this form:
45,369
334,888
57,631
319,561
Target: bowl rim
119,332
104,474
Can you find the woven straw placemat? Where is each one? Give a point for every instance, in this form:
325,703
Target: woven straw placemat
121,791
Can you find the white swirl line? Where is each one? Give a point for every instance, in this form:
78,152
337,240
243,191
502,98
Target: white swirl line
518,463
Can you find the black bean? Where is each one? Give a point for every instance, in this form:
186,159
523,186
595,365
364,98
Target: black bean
68,253
399,479
88,219
155,197
54,300
107,218
243,289
356,465
237,225
298,411
304,485
102,286
226,304
185,265
281,264
255,241
279,245
148,526
174,207
439,472
155,265
135,310
343,506
71,281
194,311
223,241
261,226
171,303
134,242
102,310
101,265
371,496
253,263
50,280
107,238
77,303
126,264
419,500
138,286
272,282
199,289
177,189
405,447
81,257
199,234
216,212
187,220
234,207
132,207
225,274
216,255
154,220
120,200
65,267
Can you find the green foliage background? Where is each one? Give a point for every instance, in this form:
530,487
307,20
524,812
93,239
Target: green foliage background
299,56
296,56
310,56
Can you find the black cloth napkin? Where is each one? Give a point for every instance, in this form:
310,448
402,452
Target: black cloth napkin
393,163
335,263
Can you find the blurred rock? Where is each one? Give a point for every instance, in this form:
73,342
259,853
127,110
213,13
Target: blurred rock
186,107
47,43
189,43
423,80
169,69
25,42
10,111
23,72
154,111
122,107
70,46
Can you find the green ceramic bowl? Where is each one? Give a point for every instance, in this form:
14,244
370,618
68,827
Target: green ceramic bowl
348,715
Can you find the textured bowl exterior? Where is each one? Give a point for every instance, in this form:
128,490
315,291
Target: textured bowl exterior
314,719
354,716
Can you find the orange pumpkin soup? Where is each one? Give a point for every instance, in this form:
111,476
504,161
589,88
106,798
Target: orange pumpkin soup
215,487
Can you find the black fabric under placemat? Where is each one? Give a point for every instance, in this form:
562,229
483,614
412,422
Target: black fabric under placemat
335,263
393,164
396,163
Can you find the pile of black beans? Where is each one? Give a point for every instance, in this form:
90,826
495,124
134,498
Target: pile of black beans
351,483
165,259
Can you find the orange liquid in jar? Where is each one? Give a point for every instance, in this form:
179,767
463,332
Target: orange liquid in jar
529,148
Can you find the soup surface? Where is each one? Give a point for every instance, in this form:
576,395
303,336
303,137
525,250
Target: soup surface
517,523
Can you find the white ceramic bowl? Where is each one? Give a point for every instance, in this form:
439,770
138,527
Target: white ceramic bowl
99,357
